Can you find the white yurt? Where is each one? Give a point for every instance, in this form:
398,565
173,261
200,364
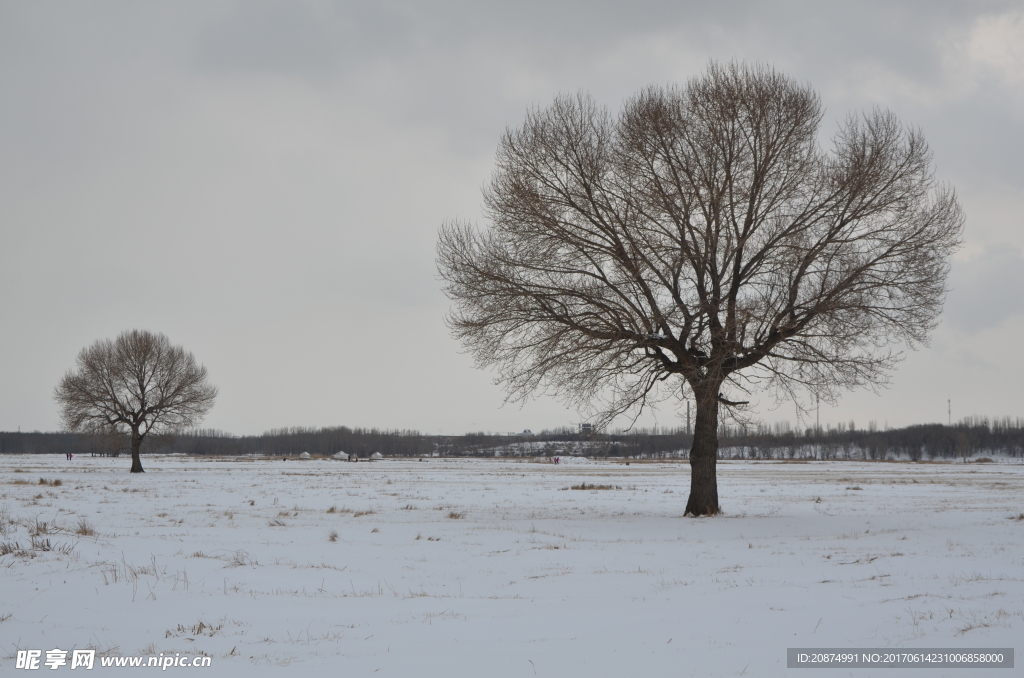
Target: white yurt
340,456
304,455
376,456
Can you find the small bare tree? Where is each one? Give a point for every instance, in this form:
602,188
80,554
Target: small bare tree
701,235
136,385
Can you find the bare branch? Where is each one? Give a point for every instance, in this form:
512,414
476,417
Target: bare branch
135,385
701,233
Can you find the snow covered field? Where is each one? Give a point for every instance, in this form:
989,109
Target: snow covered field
496,568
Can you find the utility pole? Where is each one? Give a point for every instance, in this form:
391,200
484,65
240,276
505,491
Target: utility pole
689,431
817,428
949,410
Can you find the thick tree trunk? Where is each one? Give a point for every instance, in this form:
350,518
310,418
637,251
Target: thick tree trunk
703,499
136,462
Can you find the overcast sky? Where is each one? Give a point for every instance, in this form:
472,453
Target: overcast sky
263,182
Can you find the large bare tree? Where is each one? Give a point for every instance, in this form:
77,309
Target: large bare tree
136,385
701,238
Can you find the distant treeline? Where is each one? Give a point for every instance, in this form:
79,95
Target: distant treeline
316,441
970,437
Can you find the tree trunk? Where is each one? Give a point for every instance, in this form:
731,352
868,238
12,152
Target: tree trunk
703,499
136,443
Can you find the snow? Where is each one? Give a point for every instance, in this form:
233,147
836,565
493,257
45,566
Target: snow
496,568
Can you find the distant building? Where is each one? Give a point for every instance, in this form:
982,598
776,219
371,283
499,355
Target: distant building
586,428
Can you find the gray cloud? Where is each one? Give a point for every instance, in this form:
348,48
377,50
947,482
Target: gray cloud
307,40
986,290
263,181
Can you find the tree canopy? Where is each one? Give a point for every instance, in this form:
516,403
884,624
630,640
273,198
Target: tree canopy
135,385
701,238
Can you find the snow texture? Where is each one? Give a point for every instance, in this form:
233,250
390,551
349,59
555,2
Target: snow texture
497,568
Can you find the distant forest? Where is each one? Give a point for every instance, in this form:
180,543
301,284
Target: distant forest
969,438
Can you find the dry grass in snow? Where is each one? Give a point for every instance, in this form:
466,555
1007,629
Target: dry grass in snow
510,575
